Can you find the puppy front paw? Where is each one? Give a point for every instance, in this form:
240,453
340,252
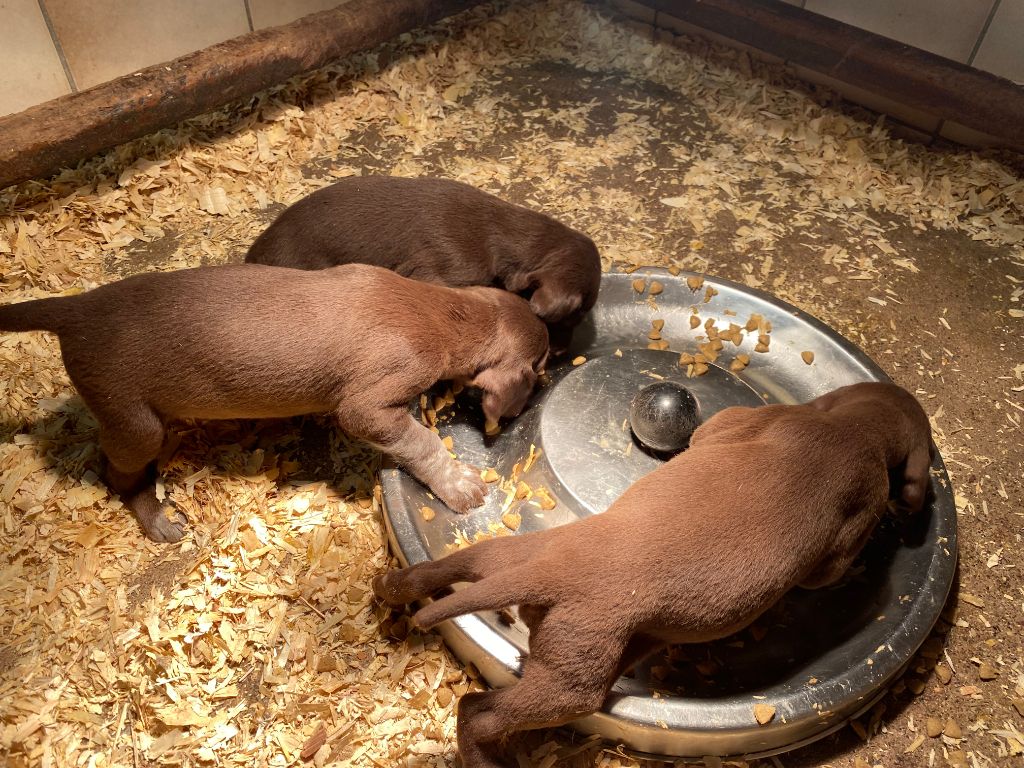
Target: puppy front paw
462,488
164,524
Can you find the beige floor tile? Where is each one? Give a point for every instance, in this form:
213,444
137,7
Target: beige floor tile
949,28
103,39
1002,50
30,70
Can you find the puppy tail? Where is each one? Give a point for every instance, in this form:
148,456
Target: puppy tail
492,593
37,315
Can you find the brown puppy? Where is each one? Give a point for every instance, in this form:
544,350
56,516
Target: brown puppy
249,341
601,593
444,232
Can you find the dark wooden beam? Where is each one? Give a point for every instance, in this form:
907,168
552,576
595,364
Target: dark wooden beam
59,133
916,78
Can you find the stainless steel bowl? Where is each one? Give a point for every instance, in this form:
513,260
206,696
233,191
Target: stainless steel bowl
819,657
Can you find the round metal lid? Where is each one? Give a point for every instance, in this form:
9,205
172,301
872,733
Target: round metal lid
818,657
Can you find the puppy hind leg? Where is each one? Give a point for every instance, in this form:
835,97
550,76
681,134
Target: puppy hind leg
512,587
567,674
416,582
131,440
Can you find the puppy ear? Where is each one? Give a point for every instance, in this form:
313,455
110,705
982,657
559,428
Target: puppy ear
551,302
505,390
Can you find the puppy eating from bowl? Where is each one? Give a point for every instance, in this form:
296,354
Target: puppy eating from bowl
252,341
690,553
444,232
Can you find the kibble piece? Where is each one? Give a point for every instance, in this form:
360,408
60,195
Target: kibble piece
759,347
489,475
987,672
694,283
754,322
449,443
807,357
764,713
709,293
933,727
943,673
444,696
523,490
674,270
639,285
686,359
657,324
545,498
492,428
654,334
659,345
952,729
512,520
656,288
699,369
428,513
694,321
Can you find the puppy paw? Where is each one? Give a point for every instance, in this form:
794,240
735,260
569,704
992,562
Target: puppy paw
462,488
163,524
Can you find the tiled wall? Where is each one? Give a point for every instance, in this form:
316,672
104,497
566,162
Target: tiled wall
987,34
52,47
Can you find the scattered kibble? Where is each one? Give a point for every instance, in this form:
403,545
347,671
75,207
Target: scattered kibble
579,360
694,321
427,513
489,475
694,283
933,727
639,285
807,357
512,520
656,288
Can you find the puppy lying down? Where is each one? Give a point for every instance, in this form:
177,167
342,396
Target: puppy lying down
251,341
688,554
444,232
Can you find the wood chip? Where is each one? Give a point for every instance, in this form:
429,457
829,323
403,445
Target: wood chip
313,743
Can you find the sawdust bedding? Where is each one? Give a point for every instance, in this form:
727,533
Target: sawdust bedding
256,641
